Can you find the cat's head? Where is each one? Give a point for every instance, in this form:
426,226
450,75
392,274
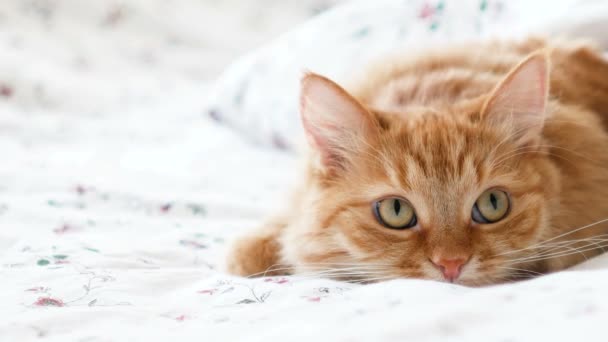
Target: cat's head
449,193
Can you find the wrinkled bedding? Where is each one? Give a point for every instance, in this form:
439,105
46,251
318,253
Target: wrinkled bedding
118,198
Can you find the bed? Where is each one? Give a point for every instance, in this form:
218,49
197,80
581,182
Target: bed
119,193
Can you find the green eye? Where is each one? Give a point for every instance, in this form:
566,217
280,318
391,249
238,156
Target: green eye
395,213
492,206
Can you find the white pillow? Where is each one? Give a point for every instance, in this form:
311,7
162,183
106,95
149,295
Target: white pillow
258,95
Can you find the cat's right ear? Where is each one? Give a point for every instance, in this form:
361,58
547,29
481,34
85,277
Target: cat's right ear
334,122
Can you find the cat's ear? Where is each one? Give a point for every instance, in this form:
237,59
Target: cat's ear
333,120
518,103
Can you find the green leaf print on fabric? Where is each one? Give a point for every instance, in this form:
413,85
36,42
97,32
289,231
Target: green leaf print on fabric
43,262
483,5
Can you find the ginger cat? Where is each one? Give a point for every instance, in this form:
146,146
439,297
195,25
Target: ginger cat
475,165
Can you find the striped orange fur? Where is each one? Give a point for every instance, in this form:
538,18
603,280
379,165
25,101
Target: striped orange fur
438,129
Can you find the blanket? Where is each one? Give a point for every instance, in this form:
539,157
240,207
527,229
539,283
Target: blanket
118,197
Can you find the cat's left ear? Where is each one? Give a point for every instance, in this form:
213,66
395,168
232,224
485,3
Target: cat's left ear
518,104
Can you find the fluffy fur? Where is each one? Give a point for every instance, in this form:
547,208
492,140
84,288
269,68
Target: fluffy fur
439,129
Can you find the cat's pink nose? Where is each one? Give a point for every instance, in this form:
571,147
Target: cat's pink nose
450,268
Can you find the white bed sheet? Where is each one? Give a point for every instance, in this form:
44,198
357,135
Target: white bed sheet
113,233
113,225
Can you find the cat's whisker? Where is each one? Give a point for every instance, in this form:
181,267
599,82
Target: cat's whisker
321,267
348,264
292,268
272,268
595,237
558,249
344,276
554,251
557,237
371,280
557,255
330,269
339,275
325,269
521,270
545,248
565,244
562,248
561,254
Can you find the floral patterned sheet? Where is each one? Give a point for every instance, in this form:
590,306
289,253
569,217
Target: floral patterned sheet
118,198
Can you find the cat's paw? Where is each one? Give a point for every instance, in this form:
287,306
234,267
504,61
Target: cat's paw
255,255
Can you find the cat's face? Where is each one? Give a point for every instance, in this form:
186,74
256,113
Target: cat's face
437,194
448,194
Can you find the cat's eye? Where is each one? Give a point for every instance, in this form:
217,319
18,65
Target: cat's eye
395,213
492,206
